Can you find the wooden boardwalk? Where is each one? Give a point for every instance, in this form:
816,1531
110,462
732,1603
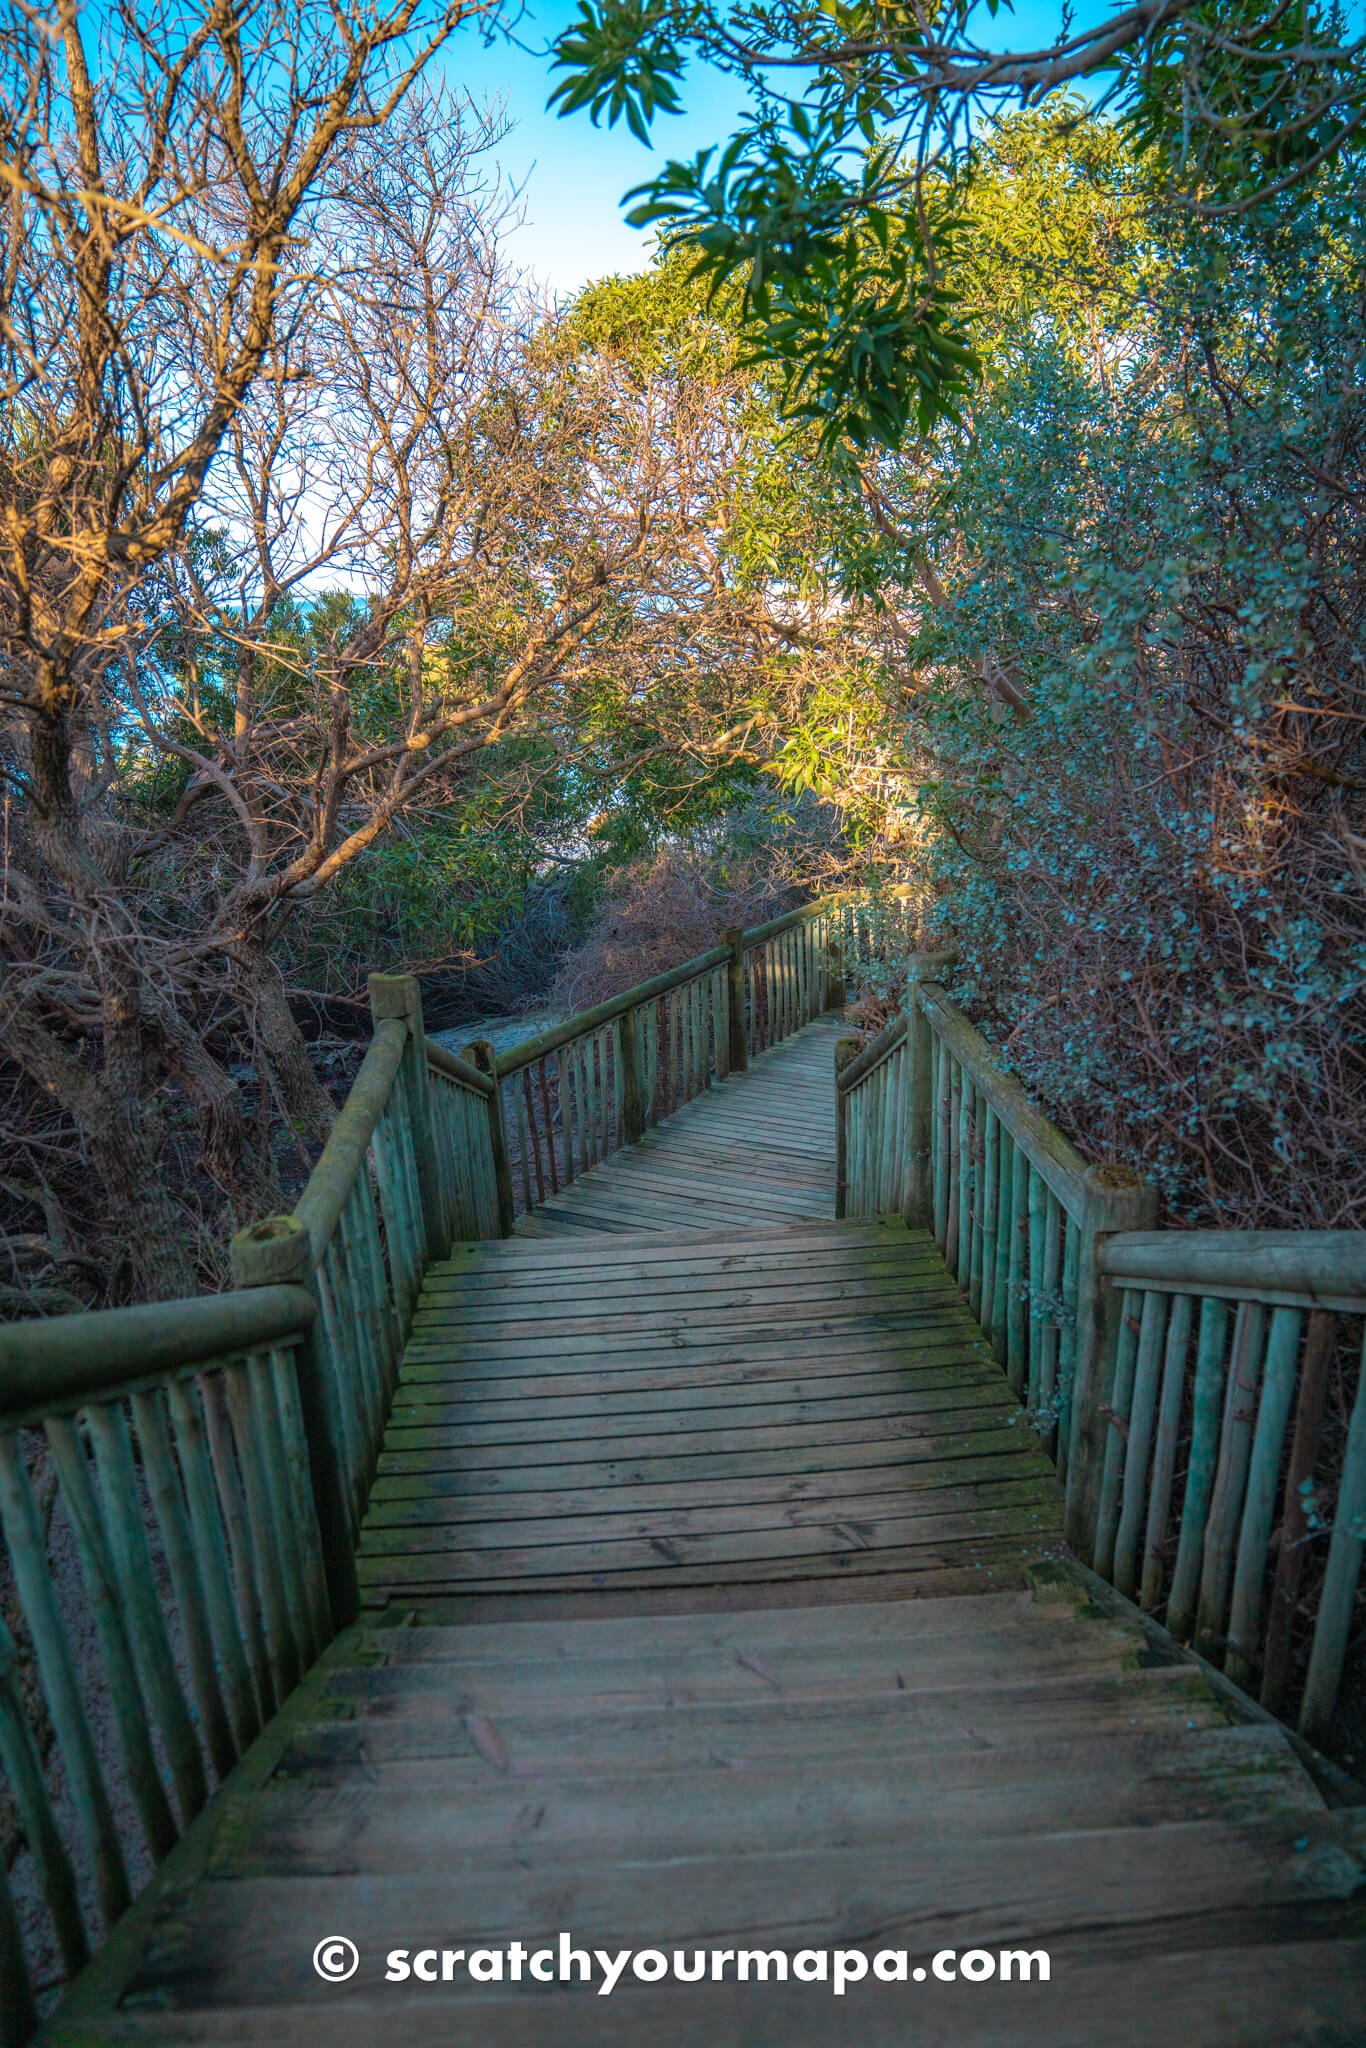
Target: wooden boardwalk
715,1600
755,1152
682,1411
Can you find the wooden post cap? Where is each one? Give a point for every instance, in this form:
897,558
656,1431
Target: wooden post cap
929,966
271,1252
394,995
479,1052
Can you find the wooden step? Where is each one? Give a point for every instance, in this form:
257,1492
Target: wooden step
1144,1891
388,1827
424,1730
1307,1993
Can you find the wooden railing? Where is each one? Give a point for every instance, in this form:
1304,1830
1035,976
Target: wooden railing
1233,1488
181,1486
1160,1368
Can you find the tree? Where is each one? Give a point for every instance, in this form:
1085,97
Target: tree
315,527
840,204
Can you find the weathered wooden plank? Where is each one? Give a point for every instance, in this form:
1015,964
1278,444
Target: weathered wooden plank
436,1473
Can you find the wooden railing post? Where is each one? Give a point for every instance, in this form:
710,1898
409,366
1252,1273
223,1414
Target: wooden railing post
735,999
400,995
846,1052
834,961
1117,1198
918,1208
479,1052
632,1109
272,1253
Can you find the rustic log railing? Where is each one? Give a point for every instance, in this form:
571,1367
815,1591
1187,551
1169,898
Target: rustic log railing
181,1486
1160,1368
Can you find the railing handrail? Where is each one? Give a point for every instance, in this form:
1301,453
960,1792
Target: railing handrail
606,1012
330,1182
60,1362
1296,1268
872,1055
1047,1148
759,934
450,1064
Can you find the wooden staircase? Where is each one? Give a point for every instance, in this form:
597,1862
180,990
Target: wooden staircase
1001,1771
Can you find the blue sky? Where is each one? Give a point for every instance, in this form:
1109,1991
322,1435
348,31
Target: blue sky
573,175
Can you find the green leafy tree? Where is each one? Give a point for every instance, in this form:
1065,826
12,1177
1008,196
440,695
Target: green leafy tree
840,202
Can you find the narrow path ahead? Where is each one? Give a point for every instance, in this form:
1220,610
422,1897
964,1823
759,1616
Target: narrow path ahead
756,1152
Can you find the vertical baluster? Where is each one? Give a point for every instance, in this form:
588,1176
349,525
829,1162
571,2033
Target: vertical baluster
281,1654
1254,1539
998,1278
986,1278
1052,1289
126,1534
521,1103
438,1091
210,1541
23,1770
564,1090
104,1597
1067,1337
586,1095
246,1570
965,1189
400,1222
977,1157
1038,1307
288,1529
387,1336
163,1484
1205,1409
1165,1446
336,1344
1138,1446
294,1448
531,1157
953,1229
687,1053
547,1124
1337,1598
23,1531
1230,1476
1132,1332
1017,1329
939,1139
1309,1409
348,1278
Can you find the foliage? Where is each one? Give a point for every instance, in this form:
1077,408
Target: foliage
1130,684
840,208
